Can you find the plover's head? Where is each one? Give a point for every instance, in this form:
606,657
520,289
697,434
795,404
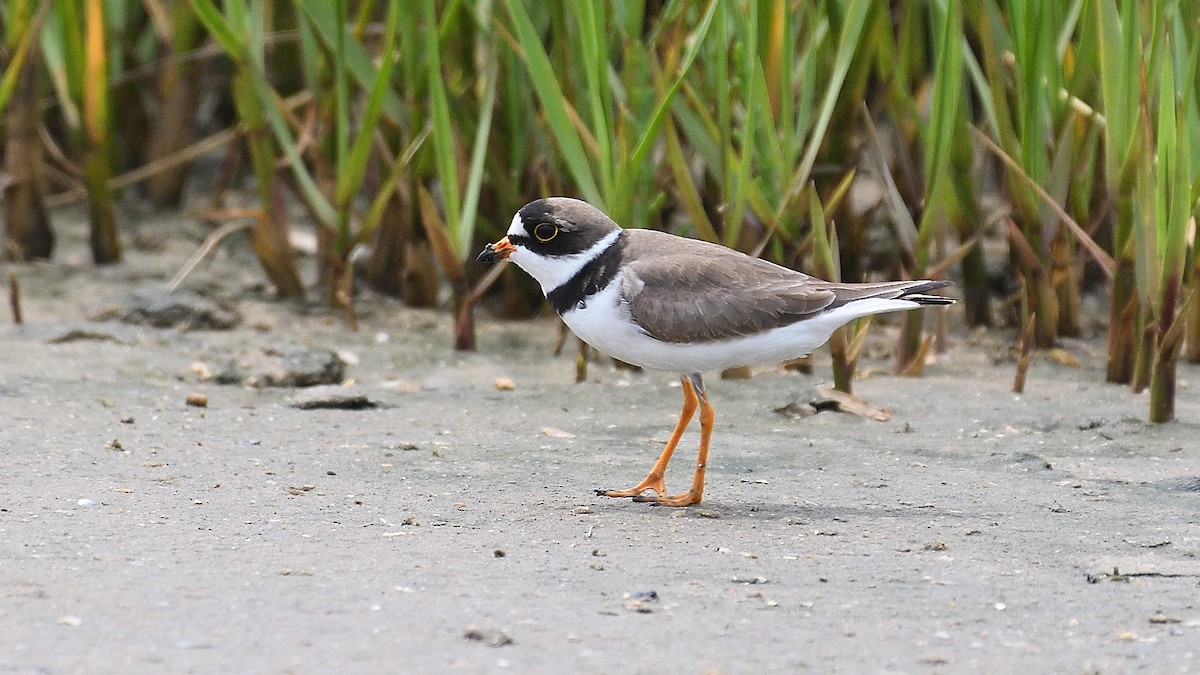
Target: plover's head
553,238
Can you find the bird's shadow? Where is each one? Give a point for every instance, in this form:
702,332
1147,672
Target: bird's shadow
789,512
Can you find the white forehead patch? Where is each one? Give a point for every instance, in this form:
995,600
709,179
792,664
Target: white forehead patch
517,226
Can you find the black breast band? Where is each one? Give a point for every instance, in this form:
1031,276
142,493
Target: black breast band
589,280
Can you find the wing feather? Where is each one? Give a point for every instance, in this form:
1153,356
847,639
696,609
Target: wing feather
684,290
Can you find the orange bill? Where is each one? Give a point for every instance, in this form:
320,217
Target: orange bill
497,251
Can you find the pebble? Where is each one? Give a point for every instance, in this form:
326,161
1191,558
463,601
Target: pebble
193,644
69,620
748,580
200,369
641,602
81,334
302,367
307,367
504,384
1164,618
332,397
490,637
197,400
181,310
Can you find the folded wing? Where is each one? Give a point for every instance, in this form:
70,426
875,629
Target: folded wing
704,292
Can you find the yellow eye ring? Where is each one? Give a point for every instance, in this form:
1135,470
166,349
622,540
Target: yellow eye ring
545,232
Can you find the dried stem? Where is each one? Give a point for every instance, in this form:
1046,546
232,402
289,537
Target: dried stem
1024,348
14,298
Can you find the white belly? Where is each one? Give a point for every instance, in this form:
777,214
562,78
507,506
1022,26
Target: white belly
606,324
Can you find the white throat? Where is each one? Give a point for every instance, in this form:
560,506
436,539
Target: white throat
554,271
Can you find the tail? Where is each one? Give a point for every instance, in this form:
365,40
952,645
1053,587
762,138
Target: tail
913,291
852,301
916,293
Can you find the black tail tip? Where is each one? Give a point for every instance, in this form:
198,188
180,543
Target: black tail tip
931,300
918,293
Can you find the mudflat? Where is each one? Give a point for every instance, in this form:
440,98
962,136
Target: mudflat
173,502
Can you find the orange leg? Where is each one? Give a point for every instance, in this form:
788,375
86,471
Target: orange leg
707,416
654,480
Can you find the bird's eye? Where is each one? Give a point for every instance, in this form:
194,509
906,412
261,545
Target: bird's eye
545,231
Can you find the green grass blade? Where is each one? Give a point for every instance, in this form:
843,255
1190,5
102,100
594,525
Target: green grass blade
550,94
465,231
17,59
650,133
220,29
355,165
594,43
1175,180
443,128
824,263
358,63
341,107
855,18
62,49
943,117
272,110
735,199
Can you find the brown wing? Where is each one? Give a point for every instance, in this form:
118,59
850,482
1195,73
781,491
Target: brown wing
685,290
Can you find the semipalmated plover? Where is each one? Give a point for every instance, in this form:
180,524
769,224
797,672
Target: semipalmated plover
665,302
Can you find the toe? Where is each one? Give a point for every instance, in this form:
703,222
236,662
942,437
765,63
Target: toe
685,499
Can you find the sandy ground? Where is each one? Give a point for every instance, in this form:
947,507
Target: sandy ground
454,527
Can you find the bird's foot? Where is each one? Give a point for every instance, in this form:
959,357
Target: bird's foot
651,483
686,499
